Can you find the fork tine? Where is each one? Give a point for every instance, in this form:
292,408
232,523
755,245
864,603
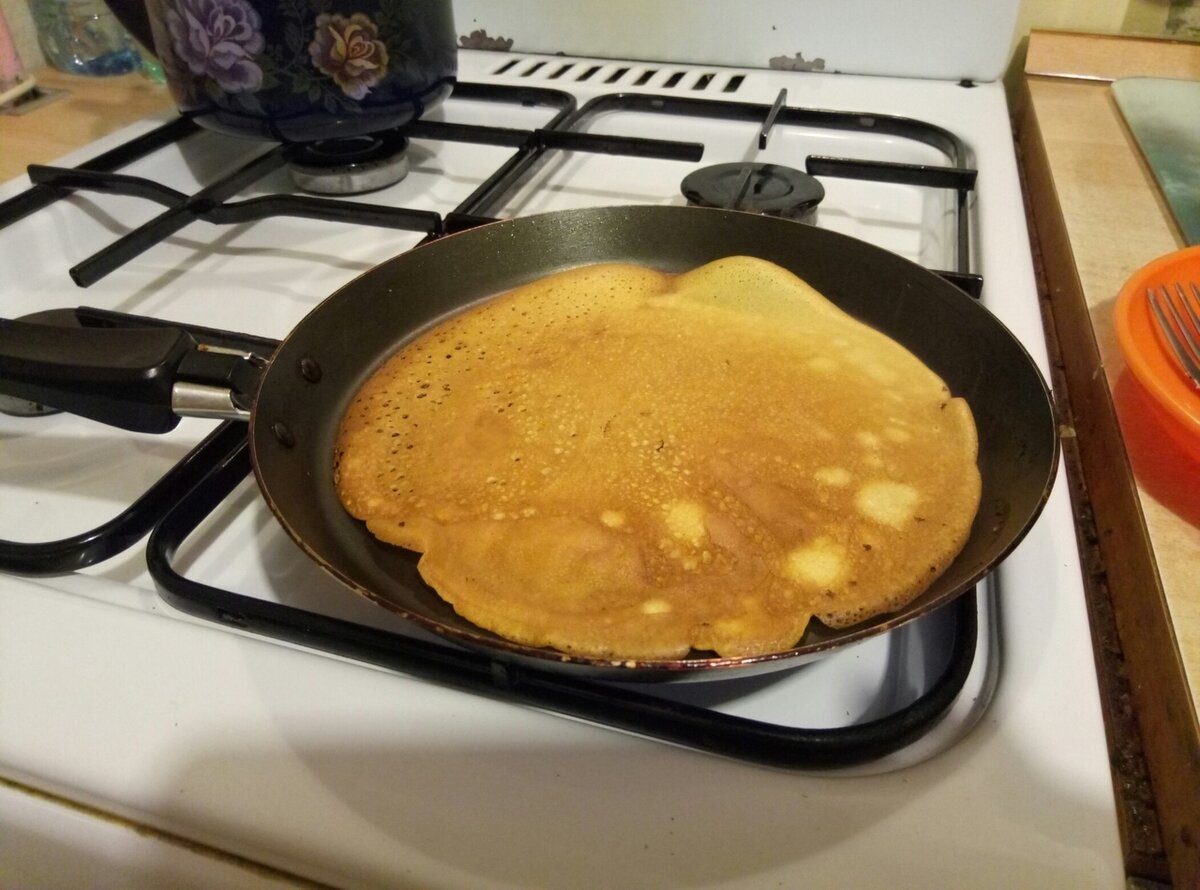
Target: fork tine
1189,362
1192,306
1184,328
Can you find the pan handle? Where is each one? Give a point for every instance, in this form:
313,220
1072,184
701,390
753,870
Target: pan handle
140,378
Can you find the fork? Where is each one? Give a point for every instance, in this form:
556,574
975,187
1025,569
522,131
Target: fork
1179,320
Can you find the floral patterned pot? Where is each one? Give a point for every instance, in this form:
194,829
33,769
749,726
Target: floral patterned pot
304,70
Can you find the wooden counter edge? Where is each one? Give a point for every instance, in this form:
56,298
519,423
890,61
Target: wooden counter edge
1109,57
1163,702
69,111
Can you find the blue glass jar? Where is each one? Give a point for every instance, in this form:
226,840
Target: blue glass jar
84,37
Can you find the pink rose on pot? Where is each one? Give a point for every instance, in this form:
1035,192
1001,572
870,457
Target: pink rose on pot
349,50
218,39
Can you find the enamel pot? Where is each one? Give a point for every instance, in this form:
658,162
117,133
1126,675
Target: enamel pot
299,70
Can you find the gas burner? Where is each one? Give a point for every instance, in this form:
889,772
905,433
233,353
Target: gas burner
351,165
15,407
769,189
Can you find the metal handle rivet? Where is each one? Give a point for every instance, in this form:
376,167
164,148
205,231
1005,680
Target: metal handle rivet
282,434
310,370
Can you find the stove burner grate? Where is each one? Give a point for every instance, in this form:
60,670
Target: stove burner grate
174,506
211,204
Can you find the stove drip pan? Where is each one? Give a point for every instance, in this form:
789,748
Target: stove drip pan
349,166
769,189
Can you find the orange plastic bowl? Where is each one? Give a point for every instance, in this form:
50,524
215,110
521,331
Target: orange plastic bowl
1145,350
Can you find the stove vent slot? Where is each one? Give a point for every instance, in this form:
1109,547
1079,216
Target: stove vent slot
689,80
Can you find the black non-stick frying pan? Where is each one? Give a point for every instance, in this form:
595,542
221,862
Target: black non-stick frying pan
315,373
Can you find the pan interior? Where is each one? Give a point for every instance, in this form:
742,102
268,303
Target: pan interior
349,335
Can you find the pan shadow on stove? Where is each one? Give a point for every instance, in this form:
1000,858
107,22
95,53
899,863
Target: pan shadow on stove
99,471
539,801
101,467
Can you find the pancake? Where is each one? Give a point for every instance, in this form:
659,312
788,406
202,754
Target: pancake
620,463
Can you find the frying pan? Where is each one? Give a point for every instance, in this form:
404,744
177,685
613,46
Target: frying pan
310,380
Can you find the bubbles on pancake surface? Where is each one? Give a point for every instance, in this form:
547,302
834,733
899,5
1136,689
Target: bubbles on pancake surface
621,463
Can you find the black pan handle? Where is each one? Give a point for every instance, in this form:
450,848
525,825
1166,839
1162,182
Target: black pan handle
123,377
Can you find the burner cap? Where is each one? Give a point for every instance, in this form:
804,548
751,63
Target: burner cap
351,165
769,189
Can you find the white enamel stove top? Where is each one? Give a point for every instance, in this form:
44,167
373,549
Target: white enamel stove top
355,776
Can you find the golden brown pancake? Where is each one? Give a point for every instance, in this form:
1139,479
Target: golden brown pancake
625,464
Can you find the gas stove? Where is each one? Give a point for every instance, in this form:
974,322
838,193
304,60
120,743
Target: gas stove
285,729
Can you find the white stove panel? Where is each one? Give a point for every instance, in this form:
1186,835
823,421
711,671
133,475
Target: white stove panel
949,39
293,758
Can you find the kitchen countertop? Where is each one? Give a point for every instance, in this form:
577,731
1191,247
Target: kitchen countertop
74,112
1098,216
